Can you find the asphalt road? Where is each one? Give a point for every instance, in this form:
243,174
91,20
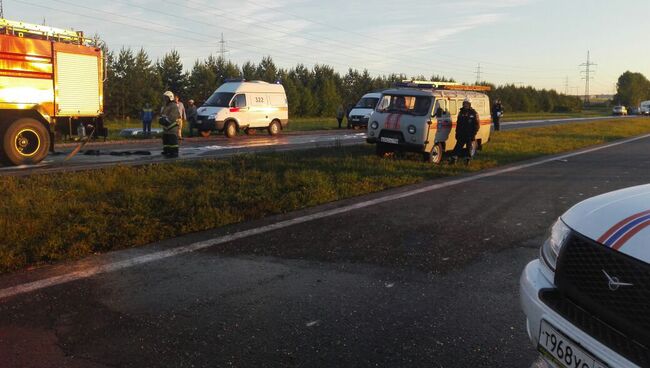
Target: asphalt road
426,280
138,152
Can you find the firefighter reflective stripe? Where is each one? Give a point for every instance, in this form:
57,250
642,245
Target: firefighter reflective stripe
77,89
170,127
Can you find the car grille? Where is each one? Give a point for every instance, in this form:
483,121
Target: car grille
358,119
580,278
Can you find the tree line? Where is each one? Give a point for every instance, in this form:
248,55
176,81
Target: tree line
134,79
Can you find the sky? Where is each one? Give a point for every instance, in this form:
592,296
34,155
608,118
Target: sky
540,43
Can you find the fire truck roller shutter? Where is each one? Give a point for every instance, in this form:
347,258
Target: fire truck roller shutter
77,90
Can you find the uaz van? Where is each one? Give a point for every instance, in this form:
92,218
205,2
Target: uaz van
421,117
359,115
247,106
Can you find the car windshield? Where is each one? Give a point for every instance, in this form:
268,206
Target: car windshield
414,105
219,99
367,103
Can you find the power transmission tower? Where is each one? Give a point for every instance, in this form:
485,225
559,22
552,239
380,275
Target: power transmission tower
222,48
587,76
566,86
478,74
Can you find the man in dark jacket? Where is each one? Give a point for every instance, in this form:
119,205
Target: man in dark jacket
467,126
192,116
169,119
497,111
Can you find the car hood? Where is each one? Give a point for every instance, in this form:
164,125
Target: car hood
360,111
619,220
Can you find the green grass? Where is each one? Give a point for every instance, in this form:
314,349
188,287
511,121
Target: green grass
521,116
49,218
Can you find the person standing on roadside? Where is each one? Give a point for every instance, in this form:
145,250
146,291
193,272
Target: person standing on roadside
192,115
183,116
147,117
467,126
340,113
169,119
497,111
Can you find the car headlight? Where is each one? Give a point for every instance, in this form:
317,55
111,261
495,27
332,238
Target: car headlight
212,117
412,129
559,233
374,125
367,116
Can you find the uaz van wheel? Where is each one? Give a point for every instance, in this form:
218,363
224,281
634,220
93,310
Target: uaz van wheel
435,156
231,129
274,128
25,141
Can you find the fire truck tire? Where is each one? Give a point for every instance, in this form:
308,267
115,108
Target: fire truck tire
274,128
205,133
24,141
435,156
230,130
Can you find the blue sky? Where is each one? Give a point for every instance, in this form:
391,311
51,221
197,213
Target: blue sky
530,42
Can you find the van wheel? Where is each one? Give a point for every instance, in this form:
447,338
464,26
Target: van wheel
250,131
205,133
435,156
274,128
25,141
230,130
473,149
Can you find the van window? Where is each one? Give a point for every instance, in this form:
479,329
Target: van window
405,104
440,105
219,99
367,103
479,106
453,107
277,100
239,101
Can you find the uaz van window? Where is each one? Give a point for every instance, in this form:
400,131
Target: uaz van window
413,105
367,103
219,99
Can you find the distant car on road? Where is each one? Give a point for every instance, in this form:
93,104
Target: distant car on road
644,108
587,297
619,110
360,114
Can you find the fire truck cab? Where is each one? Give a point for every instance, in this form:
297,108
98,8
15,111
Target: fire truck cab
51,81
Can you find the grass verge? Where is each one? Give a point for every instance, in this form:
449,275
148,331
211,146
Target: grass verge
48,218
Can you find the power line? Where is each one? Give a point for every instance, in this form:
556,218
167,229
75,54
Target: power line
587,76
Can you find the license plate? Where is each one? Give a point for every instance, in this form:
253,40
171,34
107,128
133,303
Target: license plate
563,351
389,140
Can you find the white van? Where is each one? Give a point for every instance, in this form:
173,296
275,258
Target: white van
421,117
247,106
359,115
644,108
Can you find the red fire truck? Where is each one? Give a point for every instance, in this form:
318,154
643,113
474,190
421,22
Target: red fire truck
51,83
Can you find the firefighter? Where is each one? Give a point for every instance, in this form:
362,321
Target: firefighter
169,119
467,126
497,111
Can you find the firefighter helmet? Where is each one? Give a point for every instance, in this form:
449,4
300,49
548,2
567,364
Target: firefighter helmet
169,95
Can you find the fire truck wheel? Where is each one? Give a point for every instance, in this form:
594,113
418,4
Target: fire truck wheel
25,141
274,128
435,156
231,129
205,133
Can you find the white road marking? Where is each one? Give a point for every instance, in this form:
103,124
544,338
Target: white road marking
156,256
